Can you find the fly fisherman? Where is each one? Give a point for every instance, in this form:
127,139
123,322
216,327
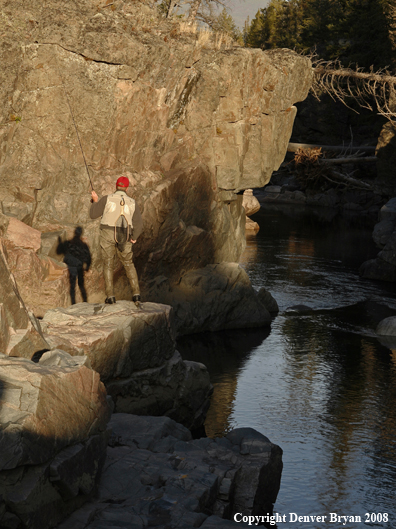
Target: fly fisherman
120,227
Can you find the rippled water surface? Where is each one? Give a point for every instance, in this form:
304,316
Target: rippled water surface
318,383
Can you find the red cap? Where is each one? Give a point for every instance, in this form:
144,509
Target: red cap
122,182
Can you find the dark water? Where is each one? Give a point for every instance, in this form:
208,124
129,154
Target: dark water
319,384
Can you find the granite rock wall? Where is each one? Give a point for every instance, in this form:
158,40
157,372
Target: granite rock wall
191,123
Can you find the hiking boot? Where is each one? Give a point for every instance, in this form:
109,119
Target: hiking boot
110,300
136,300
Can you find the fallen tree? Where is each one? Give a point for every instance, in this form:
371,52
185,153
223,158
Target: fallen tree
373,90
293,147
312,170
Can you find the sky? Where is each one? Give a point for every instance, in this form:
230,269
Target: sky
241,9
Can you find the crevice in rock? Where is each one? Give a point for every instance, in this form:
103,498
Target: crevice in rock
81,54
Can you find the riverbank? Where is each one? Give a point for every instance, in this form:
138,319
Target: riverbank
286,190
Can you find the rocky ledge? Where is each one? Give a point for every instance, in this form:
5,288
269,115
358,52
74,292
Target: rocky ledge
134,352
157,476
54,423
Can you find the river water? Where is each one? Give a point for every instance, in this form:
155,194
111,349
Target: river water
318,383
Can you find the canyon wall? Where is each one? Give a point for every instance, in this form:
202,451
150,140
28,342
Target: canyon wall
191,122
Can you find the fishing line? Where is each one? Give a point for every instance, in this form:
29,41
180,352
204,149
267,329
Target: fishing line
74,122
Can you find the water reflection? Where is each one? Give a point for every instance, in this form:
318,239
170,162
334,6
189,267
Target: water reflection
224,353
321,385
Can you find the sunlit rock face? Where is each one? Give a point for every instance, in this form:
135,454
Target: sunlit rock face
133,350
20,332
190,124
53,440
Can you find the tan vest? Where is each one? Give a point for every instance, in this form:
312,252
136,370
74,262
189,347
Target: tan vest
114,208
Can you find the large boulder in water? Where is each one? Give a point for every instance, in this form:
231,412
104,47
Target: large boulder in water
387,327
216,297
196,483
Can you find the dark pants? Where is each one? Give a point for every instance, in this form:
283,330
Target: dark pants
109,250
77,274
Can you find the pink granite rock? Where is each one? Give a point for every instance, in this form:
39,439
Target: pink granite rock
45,409
23,236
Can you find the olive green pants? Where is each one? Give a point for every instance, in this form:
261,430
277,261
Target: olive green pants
109,250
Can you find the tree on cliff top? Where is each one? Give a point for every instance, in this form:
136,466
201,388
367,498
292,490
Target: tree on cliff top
275,26
359,33
354,31
206,11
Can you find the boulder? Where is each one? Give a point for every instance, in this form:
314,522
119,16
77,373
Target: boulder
21,333
387,327
383,231
192,483
267,299
383,267
299,309
46,408
119,339
133,350
210,299
251,206
250,203
378,269
251,226
53,440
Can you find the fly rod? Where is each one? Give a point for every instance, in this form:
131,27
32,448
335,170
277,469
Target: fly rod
74,121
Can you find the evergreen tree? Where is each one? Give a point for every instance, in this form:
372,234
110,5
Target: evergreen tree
276,26
253,33
225,23
355,31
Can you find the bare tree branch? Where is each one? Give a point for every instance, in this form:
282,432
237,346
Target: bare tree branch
371,90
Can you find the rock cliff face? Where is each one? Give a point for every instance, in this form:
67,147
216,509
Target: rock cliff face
190,123
20,333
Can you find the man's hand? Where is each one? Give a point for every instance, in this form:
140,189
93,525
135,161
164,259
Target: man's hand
133,241
94,196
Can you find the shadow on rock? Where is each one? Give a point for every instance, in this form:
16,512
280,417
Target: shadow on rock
77,257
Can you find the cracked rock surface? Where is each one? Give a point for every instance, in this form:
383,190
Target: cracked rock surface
157,476
133,350
189,124
53,440
20,332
